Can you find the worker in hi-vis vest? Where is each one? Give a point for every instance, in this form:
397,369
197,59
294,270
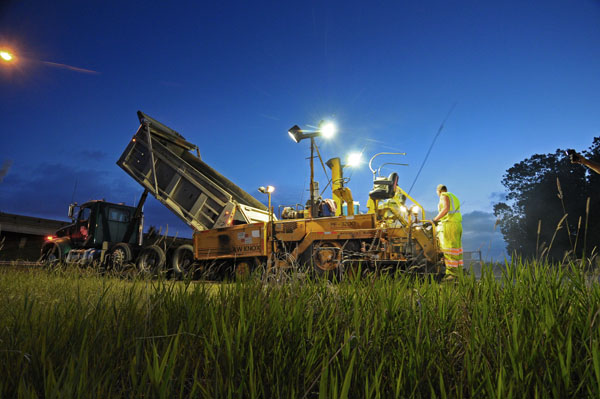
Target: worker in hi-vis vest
450,231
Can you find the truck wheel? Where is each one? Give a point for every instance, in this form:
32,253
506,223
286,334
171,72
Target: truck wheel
51,255
183,261
151,260
118,257
326,258
244,267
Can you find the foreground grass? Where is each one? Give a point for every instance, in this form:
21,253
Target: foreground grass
68,334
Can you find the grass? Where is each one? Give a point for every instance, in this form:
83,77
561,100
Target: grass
534,333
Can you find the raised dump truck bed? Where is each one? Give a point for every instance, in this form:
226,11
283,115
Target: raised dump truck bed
160,160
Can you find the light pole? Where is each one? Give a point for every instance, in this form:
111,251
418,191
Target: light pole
326,130
268,190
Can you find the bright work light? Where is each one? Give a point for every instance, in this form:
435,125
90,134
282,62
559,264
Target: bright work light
6,56
354,159
328,130
325,130
266,190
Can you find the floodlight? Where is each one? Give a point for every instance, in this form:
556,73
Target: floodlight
354,159
6,56
328,130
266,190
296,133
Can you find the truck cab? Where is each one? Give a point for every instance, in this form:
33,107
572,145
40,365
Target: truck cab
96,226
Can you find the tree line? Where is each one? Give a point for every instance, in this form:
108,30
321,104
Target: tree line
552,206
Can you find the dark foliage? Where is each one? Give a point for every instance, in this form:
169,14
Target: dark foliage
541,190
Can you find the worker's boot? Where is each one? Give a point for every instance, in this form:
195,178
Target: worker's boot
452,274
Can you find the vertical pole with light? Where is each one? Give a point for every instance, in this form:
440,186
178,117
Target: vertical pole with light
268,190
326,130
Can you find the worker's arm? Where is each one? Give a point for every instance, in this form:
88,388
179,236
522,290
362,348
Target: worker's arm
445,208
595,166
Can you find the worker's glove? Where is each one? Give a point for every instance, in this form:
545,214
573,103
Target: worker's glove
574,157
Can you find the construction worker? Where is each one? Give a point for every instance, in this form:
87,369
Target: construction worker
575,157
450,231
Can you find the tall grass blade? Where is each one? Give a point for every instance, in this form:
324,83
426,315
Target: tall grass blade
562,202
537,239
587,214
348,378
558,227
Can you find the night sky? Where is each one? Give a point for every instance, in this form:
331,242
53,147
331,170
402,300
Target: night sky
233,77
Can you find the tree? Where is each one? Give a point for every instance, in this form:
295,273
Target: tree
543,189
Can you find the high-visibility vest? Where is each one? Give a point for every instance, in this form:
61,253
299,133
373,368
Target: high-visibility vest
453,214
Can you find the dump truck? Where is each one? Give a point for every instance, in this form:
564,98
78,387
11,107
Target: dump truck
109,235
233,231
98,227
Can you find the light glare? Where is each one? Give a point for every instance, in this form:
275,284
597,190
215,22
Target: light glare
270,189
328,130
354,159
6,56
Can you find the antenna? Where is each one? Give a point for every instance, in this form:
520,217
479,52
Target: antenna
431,146
74,189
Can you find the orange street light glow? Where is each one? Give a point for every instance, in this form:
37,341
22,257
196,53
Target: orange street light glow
6,56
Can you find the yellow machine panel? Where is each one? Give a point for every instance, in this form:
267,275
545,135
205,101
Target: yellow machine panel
339,223
245,240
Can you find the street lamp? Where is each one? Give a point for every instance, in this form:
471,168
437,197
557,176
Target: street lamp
268,190
326,130
6,56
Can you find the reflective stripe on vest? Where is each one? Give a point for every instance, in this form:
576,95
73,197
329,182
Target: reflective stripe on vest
453,214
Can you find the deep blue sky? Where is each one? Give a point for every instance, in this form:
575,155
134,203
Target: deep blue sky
232,77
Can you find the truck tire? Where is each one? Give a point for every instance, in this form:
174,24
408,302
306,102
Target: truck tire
51,255
326,258
151,260
243,268
182,262
118,256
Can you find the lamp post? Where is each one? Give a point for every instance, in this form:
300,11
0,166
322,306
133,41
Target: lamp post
326,130
268,190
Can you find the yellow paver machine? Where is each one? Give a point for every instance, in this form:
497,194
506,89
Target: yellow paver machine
233,231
